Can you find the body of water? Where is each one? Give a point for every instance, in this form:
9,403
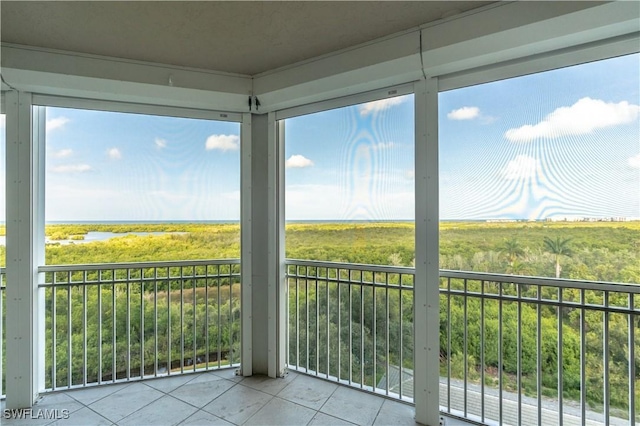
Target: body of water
94,236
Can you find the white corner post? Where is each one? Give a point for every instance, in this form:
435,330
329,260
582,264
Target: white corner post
25,249
426,287
246,232
277,291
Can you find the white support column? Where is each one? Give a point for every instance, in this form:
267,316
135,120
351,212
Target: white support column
426,297
277,296
246,228
25,249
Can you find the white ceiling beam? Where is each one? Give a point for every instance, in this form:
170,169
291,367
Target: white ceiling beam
502,32
523,29
51,72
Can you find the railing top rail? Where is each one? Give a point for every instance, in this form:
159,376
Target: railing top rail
136,265
481,276
543,281
352,266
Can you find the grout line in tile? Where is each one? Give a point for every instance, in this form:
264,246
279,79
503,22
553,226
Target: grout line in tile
330,396
202,408
141,407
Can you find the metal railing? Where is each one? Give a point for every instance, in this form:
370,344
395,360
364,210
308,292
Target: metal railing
2,331
513,350
530,350
107,323
352,324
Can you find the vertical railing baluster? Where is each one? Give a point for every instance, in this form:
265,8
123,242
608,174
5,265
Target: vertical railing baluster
328,322
317,321
142,340
500,355
350,327
519,350
465,348
128,321
400,309
362,330
99,326
339,325
632,364
155,324
181,320
207,281
375,334
84,329
54,336
297,280
386,344
69,337
169,341
113,326
583,360
539,353
308,323
230,325
195,349
219,325
560,359
605,348
448,345
482,365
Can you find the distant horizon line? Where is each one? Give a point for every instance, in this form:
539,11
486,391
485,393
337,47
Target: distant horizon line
223,221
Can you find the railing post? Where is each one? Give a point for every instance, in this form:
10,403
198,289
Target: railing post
25,249
426,297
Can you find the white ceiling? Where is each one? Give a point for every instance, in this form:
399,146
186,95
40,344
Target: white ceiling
244,37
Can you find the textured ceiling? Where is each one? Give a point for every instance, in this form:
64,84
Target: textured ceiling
239,37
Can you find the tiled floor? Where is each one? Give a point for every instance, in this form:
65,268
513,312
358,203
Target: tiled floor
218,398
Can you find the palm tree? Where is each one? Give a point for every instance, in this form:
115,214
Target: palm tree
558,247
512,249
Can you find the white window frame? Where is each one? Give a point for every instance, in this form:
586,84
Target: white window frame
26,194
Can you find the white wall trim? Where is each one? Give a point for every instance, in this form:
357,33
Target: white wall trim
46,71
246,230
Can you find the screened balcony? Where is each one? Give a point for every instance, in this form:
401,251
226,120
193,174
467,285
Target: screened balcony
169,341
401,310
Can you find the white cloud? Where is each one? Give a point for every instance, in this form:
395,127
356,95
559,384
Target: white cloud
634,161
63,153
298,162
56,123
223,143
383,145
522,167
464,113
114,153
381,105
72,168
581,118
160,143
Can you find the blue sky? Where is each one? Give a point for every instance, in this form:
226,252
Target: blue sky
115,166
565,143
558,144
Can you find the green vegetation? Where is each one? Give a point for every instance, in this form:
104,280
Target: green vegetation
585,251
